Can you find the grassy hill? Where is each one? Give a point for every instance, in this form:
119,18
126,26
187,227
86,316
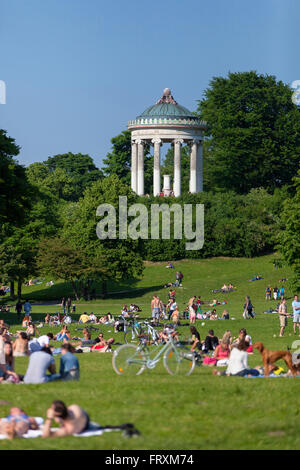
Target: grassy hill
196,412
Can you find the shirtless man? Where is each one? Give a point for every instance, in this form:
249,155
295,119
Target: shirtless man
155,308
20,346
72,420
191,301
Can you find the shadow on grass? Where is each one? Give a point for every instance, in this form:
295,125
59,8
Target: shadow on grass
54,294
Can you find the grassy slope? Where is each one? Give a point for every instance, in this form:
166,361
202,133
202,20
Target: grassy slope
196,412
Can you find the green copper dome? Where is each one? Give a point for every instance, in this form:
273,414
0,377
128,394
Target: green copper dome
166,112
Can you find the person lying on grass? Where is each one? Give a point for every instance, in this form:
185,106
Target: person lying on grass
17,423
102,345
71,420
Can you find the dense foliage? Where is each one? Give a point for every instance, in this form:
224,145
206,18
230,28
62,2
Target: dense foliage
48,211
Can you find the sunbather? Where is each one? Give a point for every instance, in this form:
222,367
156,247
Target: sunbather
17,423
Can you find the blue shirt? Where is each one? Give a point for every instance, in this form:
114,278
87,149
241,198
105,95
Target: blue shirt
296,304
68,362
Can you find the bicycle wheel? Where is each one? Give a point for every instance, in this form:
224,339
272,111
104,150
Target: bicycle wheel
179,360
129,359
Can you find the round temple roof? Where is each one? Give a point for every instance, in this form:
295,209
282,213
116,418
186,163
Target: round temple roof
166,111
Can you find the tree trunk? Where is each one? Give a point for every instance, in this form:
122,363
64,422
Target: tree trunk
104,288
12,290
88,283
75,290
19,289
81,284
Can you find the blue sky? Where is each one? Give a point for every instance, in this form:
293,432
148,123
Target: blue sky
77,70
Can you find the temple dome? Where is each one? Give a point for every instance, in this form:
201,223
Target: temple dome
166,111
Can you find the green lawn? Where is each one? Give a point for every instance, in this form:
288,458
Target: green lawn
196,412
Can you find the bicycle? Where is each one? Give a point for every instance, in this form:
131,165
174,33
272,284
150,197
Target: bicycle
130,359
132,330
150,334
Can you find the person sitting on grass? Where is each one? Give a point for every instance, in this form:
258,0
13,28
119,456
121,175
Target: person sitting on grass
220,357
71,420
47,319
32,330
225,315
64,334
39,363
20,345
211,342
69,365
8,372
17,423
102,345
213,315
92,317
195,340
103,320
26,320
227,338
87,339
238,362
84,318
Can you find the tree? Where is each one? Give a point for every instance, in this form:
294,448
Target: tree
118,162
14,189
80,221
58,258
17,256
289,240
58,182
71,174
255,132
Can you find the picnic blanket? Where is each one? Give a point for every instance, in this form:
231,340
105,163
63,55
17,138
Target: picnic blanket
94,430
271,376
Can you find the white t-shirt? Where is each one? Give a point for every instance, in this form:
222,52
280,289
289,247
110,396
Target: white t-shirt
43,340
238,361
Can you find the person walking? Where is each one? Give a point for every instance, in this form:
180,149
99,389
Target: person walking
27,307
248,308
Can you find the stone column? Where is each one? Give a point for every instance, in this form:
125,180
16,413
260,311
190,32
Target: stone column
134,166
177,167
200,167
193,166
156,166
140,167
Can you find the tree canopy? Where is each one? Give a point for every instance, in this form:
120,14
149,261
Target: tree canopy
254,130
66,176
289,238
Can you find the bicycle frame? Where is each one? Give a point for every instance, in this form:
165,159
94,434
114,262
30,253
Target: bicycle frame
151,363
